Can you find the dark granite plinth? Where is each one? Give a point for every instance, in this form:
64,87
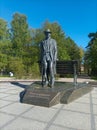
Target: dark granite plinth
37,95
74,94
62,93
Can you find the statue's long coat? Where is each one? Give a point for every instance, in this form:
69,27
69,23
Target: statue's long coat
52,52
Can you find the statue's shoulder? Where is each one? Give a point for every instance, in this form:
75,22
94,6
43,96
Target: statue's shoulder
53,40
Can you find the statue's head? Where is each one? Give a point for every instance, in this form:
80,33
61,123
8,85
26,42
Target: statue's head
47,33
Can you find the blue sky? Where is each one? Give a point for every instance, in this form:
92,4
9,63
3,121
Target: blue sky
76,17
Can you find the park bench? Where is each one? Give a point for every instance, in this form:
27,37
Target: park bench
68,67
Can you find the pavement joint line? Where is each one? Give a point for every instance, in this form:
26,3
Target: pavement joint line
9,93
17,116
9,114
16,93
9,90
12,88
92,114
7,105
94,104
77,102
33,119
94,97
70,128
29,118
8,100
73,111
53,118
76,111
4,97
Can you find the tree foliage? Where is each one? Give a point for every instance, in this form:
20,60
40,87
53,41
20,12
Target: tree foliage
3,30
19,45
20,33
4,44
72,49
91,53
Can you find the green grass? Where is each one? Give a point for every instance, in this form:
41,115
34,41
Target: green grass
4,76
94,77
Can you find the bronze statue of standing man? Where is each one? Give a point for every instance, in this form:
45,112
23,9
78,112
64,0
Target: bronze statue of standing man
48,48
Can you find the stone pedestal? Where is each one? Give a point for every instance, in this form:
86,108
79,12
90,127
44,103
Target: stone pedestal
62,93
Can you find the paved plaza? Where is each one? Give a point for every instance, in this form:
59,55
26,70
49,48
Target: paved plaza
81,114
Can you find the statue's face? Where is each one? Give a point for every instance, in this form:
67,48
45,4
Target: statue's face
48,35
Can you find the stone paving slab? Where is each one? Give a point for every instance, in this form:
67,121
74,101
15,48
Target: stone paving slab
83,120
81,114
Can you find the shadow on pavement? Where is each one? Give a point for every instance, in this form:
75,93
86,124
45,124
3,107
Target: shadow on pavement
19,84
22,86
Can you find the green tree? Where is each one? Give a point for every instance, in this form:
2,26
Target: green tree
19,45
22,40
72,49
5,44
91,53
3,30
15,65
81,52
20,33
